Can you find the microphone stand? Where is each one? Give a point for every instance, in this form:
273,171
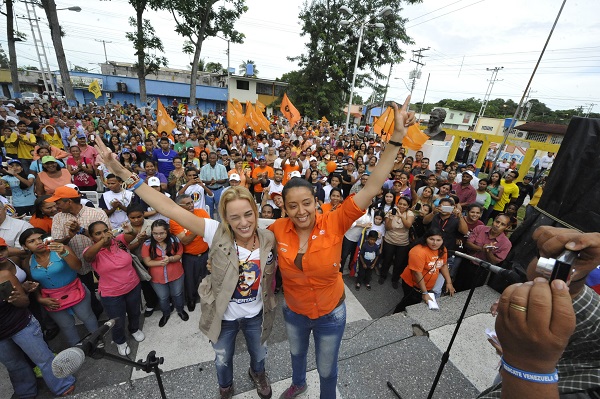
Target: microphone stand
483,265
149,365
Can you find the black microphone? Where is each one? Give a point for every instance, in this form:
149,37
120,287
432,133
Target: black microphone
508,275
70,360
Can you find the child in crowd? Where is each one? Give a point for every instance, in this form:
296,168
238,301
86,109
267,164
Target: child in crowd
367,259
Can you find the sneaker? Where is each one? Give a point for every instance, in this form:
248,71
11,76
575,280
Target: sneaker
123,349
148,312
139,336
368,286
226,393
262,384
293,391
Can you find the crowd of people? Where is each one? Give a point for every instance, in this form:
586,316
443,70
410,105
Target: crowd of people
176,224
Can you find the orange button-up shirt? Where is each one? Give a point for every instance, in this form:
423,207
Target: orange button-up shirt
315,290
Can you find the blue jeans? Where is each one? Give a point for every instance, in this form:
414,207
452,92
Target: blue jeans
453,265
174,289
118,307
213,203
327,332
225,347
66,321
30,341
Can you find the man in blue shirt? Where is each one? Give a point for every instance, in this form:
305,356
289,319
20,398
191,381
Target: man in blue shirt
164,157
213,175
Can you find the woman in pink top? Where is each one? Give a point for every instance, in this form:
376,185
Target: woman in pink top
119,285
162,254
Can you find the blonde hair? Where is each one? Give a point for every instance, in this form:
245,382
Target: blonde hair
236,193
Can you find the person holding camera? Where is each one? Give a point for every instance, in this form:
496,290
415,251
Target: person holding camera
448,218
396,240
195,188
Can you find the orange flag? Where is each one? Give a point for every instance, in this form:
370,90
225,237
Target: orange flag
415,138
260,109
254,120
165,123
235,118
289,111
384,126
260,106
238,106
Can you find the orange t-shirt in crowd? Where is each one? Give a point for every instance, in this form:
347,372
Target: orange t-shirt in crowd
426,261
44,223
198,245
258,170
326,208
315,290
287,170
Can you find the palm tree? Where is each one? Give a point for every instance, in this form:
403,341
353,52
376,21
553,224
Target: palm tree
243,66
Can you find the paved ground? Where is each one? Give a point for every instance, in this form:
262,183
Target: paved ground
377,347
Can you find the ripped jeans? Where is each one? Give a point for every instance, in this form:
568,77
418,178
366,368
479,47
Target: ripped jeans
225,347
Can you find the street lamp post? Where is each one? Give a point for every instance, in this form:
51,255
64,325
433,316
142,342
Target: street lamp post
365,23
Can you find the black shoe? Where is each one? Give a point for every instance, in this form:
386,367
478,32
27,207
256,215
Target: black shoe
395,285
381,280
183,315
148,312
51,333
163,320
191,305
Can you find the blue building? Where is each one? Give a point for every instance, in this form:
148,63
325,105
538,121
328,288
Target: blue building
126,89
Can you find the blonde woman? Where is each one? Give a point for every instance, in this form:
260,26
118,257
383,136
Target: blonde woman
238,294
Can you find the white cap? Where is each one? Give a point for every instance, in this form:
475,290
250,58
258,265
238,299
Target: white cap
234,176
295,174
9,105
154,181
313,159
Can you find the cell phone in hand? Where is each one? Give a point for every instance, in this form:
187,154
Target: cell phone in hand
6,288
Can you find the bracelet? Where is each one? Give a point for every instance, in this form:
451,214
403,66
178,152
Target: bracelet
64,254
131,181
397,144
136,185
551,378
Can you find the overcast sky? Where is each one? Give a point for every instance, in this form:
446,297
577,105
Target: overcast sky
465,37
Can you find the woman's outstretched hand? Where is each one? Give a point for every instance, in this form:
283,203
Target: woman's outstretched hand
402,120
109,161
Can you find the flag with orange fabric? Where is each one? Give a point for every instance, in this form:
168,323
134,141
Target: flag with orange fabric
260,107
235,119
289,111
238,106
165,123
384,126
254,120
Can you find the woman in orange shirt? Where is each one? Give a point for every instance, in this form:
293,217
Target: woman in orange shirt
426,261
309,247
335,200
43,213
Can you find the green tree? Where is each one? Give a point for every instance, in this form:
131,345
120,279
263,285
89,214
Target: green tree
214,67
197,20
328,62
245,64
147,63
4,62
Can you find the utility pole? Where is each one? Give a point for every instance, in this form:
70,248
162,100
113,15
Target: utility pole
104,45
489,89
416,73
527,104
12,52
591,105
387,84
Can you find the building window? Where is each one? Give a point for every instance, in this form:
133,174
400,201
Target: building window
555,139
242,85
264,88
279,90
539,137
488,128
451,115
